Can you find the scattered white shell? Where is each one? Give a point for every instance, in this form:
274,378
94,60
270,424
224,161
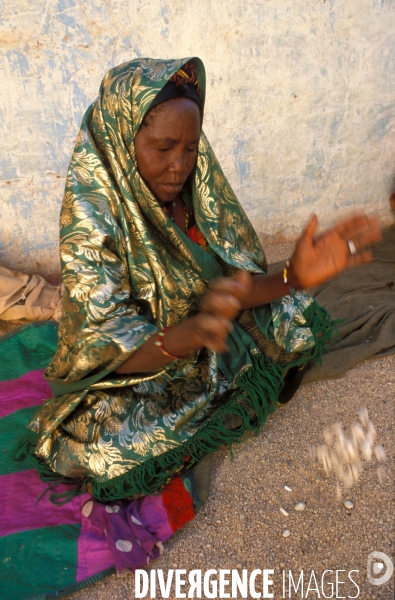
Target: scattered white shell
351,450
342,452
339,494
364,416
370,438
347,478
348,504
371,430
339,432
345,456
283,511
323,456
312,452
161,547
357,432
299,506
380,453
286,487
286,532
334,459
381,473
328,436
354,472
366,450
340,471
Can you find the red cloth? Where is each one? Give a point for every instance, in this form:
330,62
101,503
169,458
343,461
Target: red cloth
196,236
178,503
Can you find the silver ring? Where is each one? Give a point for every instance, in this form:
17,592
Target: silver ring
352,247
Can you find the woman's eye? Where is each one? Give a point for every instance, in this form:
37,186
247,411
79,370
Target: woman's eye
192,149
163,149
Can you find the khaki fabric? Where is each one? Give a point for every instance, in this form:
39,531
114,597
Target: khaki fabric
28,297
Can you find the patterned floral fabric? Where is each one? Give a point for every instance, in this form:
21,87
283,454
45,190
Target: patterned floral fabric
128,271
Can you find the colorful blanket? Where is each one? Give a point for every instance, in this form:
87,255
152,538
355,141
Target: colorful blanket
47,550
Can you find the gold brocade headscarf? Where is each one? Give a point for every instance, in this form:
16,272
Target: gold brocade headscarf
122,257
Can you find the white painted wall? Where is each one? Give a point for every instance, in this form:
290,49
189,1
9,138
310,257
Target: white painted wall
300,106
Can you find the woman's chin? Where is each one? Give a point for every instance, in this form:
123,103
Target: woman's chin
169,192
162,199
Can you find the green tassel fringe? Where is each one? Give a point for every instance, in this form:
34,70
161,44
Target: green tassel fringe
24,448
255,399
259,388
325,332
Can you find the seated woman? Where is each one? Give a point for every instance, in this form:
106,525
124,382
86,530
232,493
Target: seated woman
173,340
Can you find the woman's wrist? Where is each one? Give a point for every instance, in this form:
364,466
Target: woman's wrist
291,279
181,340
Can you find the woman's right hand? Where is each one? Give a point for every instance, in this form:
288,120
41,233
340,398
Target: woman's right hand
219,307
210,327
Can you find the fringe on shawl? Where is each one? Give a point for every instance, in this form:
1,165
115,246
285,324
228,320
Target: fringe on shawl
25,448
256,398
325,332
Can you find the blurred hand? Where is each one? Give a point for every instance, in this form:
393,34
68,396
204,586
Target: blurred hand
218,308
316,259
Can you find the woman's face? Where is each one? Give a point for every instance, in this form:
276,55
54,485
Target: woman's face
166,147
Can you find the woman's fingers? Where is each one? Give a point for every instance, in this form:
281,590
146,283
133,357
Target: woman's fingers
358,259
217,345
238,286
317,258
361,229
226,294
358,222
220,304
213,331
310,229
364,240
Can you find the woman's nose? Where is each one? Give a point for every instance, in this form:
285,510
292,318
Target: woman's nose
178,163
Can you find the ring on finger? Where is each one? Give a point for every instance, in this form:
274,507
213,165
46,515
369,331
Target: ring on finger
351,247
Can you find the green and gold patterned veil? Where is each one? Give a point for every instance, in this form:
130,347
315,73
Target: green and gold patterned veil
140,262
128,270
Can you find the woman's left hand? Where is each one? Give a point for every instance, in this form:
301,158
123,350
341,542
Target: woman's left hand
316,259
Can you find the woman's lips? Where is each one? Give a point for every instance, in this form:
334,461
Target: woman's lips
173,187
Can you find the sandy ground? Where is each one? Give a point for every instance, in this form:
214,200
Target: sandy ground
241,527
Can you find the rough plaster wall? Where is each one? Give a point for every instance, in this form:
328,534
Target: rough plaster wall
300,106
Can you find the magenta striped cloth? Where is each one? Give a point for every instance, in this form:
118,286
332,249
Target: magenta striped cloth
45,548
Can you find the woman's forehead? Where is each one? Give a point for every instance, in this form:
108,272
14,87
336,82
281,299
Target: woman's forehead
171,115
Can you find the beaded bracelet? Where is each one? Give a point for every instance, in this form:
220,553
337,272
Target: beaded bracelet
159,343
285,277
285,273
